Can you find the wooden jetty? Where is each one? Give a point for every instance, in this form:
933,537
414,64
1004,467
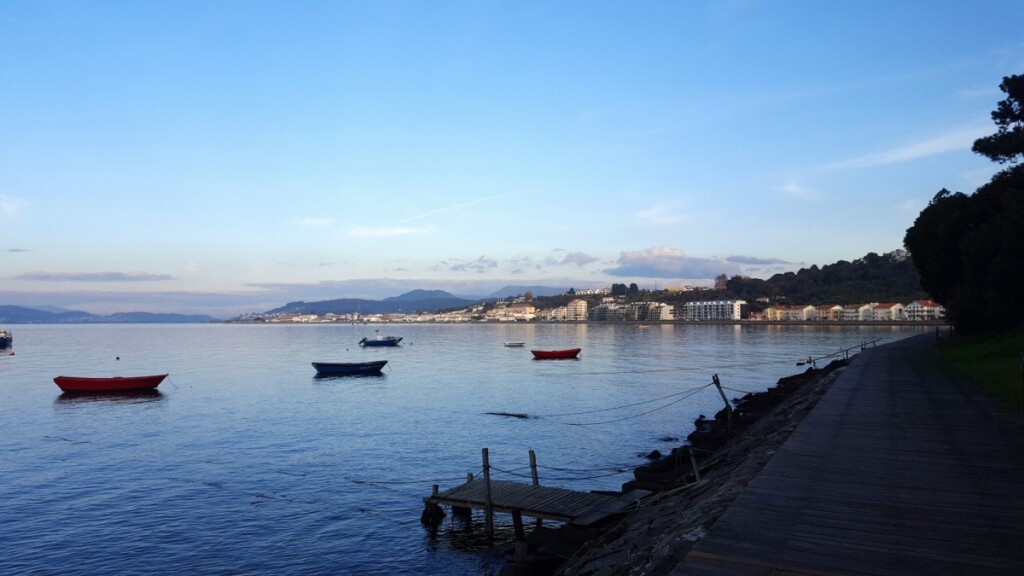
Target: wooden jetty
542,502
533,500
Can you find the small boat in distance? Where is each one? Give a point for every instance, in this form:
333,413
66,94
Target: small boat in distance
379,340
348,368
569,354
6,338
514,344
108,384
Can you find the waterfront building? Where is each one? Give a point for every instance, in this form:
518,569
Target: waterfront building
576,310
887,312
857,313
713,310
924,310
607,311
828,312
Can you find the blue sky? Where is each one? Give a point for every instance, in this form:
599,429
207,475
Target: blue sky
224,157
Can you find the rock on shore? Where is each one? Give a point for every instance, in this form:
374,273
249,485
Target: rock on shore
657,534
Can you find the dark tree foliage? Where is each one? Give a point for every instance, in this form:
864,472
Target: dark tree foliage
1007,144
890,277
969,249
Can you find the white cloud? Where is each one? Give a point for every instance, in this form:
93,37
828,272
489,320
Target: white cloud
796,190
955,141
94,277
910,206
666,262
658,215
385,232
11,207
577,258
457,206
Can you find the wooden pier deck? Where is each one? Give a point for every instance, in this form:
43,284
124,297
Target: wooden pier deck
900,470
543,502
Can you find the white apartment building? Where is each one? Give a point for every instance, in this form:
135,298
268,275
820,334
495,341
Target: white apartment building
924,310
658,311
887,312
713,310
858,313
789,313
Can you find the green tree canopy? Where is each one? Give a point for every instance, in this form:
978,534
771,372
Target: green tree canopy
1007,144
969,249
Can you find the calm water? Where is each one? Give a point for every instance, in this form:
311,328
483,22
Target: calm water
244,463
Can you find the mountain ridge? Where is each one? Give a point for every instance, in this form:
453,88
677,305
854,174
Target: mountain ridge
26,315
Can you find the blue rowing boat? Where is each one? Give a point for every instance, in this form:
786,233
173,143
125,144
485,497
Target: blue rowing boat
379,340
349,368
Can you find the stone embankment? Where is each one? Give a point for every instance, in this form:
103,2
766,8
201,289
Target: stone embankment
729,450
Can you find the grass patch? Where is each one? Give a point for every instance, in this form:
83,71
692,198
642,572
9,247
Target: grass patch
993,363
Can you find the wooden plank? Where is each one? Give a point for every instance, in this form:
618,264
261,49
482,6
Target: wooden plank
899,470
543,502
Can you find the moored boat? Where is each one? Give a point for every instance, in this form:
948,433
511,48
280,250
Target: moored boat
348,368
379,340
555,354
108,384
6,338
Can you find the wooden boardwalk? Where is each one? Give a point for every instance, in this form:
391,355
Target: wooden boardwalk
559,504
899,470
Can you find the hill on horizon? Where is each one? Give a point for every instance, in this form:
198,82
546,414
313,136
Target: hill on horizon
25,315
409,302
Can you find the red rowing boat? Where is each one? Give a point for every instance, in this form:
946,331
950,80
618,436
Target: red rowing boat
555,354
108,384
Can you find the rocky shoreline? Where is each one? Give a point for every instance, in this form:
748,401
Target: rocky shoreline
656,534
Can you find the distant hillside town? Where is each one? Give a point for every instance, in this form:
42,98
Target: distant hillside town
616,309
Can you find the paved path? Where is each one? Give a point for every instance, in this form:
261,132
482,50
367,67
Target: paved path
899,470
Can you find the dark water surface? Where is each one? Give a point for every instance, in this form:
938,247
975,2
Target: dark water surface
244,463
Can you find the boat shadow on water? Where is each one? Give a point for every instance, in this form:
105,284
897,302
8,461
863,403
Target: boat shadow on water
125,397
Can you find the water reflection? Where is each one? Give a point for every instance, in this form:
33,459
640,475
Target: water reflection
125,397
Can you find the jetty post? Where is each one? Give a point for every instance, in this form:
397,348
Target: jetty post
459,510
536,481
728,407
488,501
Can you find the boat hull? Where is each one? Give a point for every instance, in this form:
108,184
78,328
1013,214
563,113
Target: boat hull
348,368
569,354
388,341
108,384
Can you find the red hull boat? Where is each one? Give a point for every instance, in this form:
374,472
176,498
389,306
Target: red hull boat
109,384
555,354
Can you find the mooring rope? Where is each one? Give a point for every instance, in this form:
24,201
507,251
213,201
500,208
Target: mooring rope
614,472
687,391
676,401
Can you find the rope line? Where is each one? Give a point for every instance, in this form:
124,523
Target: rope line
628,405
615,472
580,469
738,390
676,401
